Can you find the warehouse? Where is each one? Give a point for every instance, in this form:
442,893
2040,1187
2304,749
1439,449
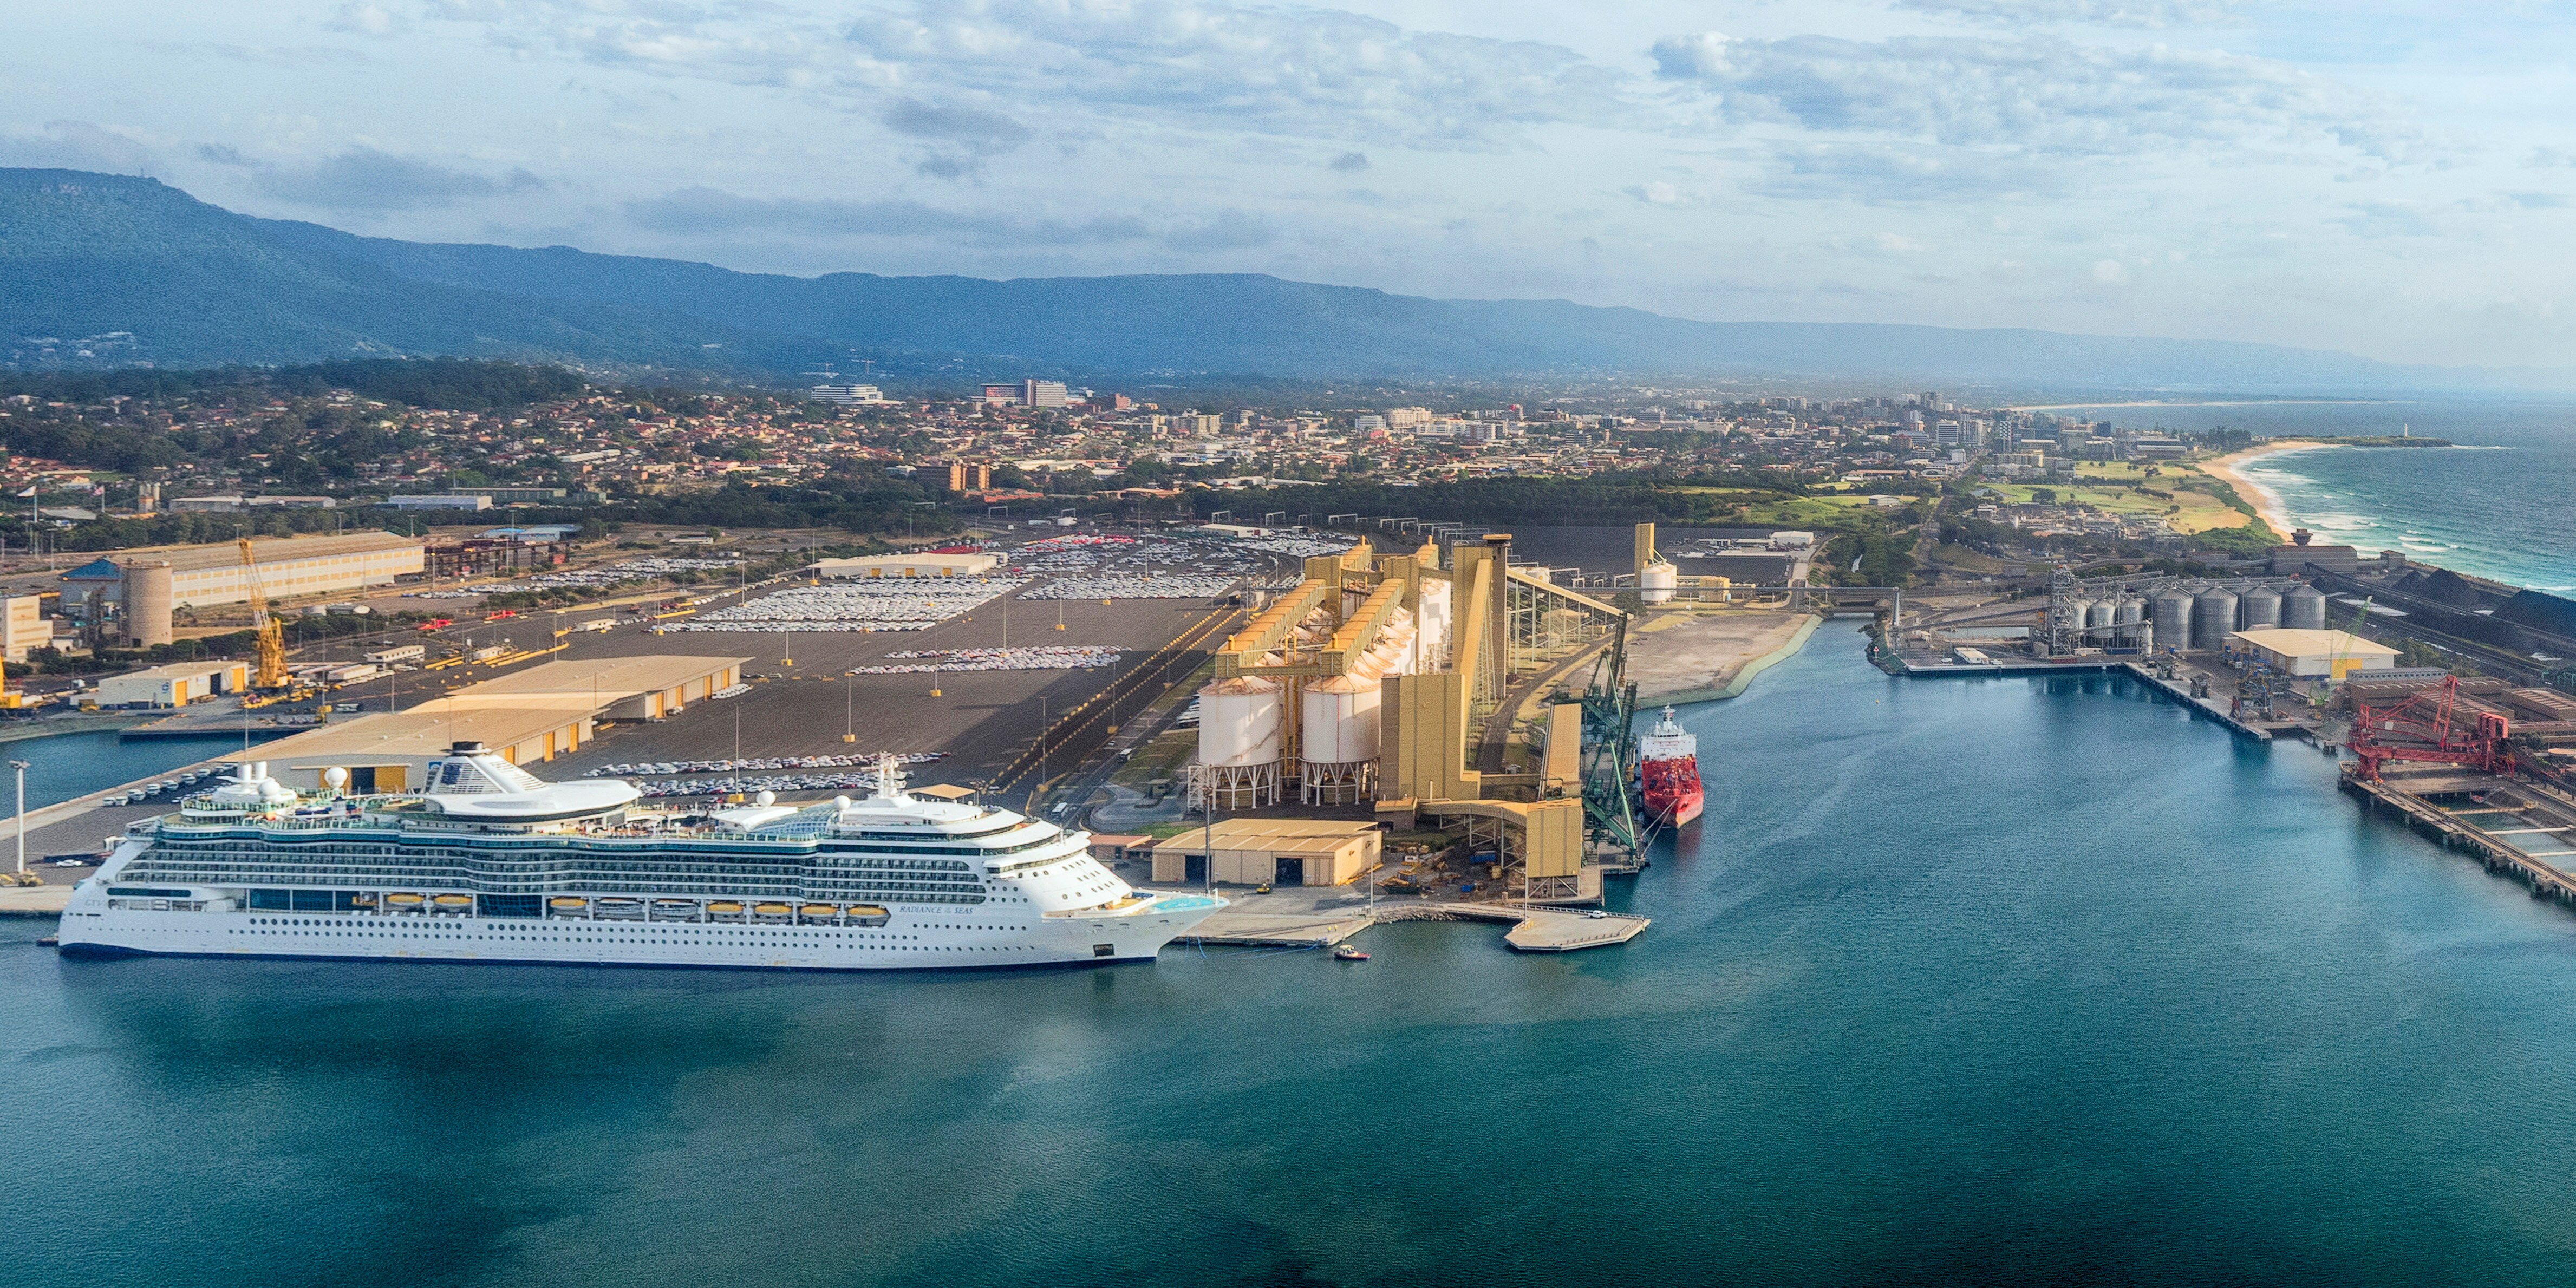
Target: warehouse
175,685
534,716
972,565
1271,851
208,575
2331,654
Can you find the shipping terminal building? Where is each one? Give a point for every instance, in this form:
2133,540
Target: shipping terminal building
142,586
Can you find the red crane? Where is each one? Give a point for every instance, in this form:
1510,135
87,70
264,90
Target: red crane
2423,726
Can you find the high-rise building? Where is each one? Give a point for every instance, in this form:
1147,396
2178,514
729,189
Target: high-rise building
1407,417
969,476
1042,393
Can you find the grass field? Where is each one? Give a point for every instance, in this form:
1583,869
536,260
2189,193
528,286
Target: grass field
2190,510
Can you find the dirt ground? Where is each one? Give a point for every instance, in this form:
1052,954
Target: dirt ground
1679,653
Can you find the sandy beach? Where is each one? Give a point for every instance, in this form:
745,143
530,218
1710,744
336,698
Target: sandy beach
2266,501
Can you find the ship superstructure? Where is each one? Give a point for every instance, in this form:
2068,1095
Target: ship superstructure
1668,772
488,863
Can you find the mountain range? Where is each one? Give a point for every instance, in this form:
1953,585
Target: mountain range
109,270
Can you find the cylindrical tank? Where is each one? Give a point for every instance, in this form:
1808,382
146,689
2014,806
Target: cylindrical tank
2097,623
2171,615
1338,721
2304,609
147,602
2128,621
2258,609
2213,615
1656,583
2079,614
1239,722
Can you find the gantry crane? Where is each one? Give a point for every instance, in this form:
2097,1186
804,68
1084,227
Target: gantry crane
269,672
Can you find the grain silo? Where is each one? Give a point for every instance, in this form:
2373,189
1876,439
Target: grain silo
147,602
2171,617
2258,609
2304,609
2213,617
1239,728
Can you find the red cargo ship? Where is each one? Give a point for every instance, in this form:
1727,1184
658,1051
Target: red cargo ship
1668,772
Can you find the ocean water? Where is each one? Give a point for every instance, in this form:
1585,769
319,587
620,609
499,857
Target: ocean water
2502,504
62,766
1993,981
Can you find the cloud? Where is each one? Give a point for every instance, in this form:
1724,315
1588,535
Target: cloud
2038,94
2110,272
970,134
2375,220
1186,64
1899,173
73,145
2548,158
2537,200
707,211
2099,13
365,20
1224,230
364,178
1351,162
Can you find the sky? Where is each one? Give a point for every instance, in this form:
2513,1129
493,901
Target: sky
2392,179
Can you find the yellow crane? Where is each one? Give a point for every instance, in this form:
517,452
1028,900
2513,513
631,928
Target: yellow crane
269,672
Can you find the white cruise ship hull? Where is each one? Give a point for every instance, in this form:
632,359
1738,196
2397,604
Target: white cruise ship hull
911,940
492,865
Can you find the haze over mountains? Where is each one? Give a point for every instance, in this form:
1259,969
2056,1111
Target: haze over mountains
104,270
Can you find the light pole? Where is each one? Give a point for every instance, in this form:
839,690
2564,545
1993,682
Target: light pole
21,767
850,705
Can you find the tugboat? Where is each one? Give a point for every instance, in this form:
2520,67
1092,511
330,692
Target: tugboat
1668,772
1346,953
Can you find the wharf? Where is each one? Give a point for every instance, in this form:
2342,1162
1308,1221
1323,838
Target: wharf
219,719
34,901
1534,930
2205,706
1932,665
1321,919
2545,818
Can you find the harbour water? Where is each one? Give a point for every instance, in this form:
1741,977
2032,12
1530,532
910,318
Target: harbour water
62,766
1999,981
2495,506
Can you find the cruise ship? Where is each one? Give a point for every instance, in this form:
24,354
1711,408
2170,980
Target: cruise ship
487,863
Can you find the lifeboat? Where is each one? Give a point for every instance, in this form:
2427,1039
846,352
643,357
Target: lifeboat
626,908
822,912
867,914
452,902
567,904
724,908
675,910
772,910
404,902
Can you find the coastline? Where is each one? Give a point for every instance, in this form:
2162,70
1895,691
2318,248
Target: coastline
2243,402
2268,504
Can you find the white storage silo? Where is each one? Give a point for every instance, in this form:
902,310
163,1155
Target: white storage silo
1239,728
1337,740
1657,582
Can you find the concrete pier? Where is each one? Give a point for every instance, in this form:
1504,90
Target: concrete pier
1309,922
2538,816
